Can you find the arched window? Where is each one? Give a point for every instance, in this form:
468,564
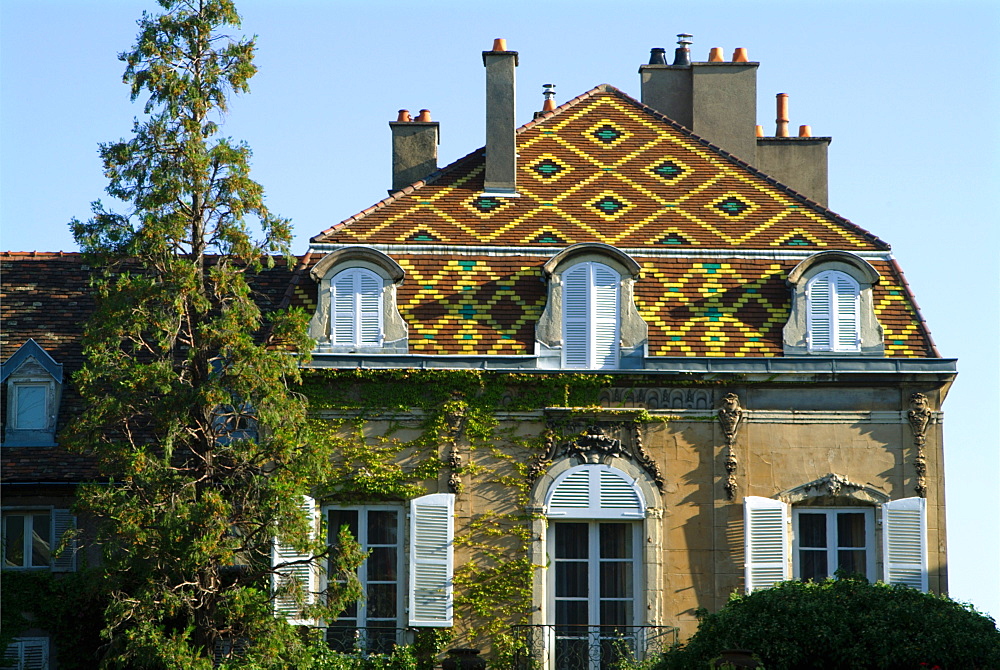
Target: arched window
833,299
590,316
356,300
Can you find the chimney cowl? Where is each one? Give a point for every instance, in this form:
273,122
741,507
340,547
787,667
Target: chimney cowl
682,54
657,56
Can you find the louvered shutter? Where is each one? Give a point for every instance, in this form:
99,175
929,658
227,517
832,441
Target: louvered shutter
369,308
27,653
904,542
819,298
576,314
63,522
432,535
846,315
595,492
765,536
605,290
303,572
342,302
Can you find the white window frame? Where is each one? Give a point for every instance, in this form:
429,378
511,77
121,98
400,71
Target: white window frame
60,521
831,514
364,312
594,325
20,652
46,419
361,621
833,323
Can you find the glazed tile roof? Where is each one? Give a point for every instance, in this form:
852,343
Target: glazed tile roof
714,237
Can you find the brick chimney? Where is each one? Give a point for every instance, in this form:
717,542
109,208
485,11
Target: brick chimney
501,154
716,99
414,148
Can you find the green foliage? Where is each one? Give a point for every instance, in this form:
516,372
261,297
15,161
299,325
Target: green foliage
186,386
69,606
846,623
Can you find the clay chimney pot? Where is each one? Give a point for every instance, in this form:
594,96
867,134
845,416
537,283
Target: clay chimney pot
424,116
715,55
759,131
740,55
782,120
805,131
404,116
499,44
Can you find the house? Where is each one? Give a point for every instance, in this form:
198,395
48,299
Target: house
608,369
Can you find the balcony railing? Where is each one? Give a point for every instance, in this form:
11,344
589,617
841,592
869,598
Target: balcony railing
552,647
364,641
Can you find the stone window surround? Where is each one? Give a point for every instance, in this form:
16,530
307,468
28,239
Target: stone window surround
395,334
633,330
795,330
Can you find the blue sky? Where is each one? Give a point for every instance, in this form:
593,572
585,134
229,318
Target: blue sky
907,90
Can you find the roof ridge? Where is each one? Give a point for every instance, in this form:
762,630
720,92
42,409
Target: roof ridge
18,255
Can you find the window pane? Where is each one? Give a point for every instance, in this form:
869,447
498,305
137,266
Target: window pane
382,527
31,407
571,579
851,529
616,540
616,613
812,565
381,564
381,601
571,540
41,538
616,580
13,540
852,561
342,517
812,530
571,612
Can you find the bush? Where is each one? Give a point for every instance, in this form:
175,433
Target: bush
846,623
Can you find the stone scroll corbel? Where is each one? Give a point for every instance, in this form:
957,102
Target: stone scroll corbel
730,415
919,417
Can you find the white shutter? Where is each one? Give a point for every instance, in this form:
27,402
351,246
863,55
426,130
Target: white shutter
594,492
432,536
342,306
576,314
27,653
819,298
62,522
605,289
303,572
904,542
847,306
369,308
765,536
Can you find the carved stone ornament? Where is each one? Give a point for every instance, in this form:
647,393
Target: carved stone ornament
831,485
657,398
597,442
919,417
730,415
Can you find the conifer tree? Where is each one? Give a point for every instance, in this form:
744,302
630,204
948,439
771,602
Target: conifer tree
188,388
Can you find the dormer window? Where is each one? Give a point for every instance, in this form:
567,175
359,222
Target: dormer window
34,386
356,299
590,320
833,311
356,303
833,300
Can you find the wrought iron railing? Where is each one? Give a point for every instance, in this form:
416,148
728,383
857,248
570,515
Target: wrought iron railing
552,647
364,641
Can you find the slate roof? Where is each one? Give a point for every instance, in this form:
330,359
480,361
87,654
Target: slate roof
715,239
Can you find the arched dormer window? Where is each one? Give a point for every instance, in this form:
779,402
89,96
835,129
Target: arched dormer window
833,316
832,309
590,319
356,303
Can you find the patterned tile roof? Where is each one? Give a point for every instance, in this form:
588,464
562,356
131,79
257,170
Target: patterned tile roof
715,239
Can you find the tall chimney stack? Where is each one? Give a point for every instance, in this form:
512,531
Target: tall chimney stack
414,148
501,154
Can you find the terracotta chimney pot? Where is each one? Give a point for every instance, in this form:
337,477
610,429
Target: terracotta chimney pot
715,55
404,116
499,44
782,120
805,131
424,116
759,131
740,55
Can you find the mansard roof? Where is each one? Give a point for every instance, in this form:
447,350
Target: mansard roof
714,237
